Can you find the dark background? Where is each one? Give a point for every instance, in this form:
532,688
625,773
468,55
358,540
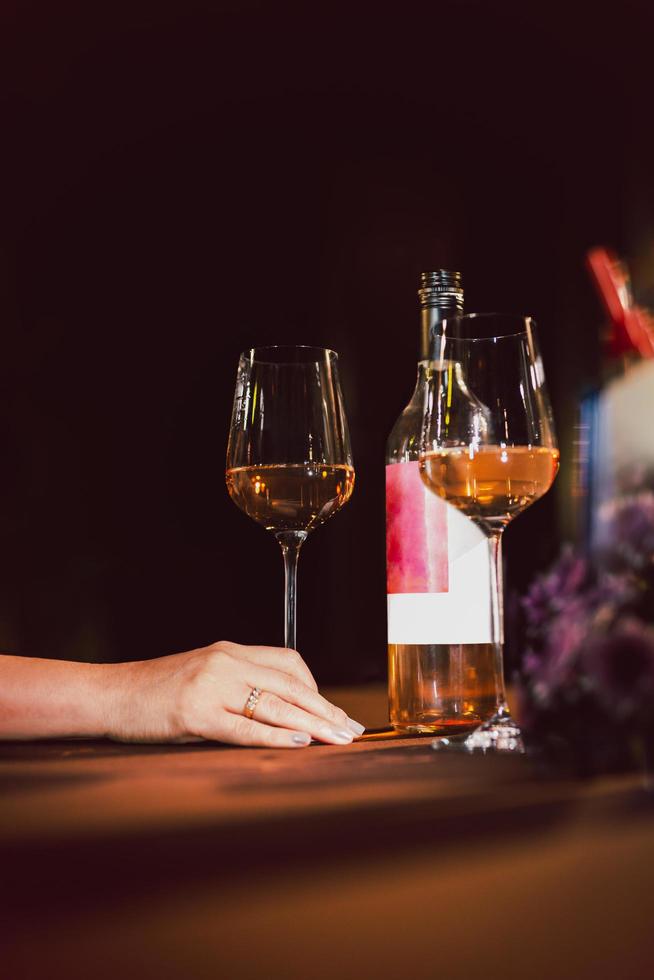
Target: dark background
183,181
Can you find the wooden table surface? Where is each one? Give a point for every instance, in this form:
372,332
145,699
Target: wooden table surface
381,858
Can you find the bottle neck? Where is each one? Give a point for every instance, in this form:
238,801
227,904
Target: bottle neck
425,372
425,369
431,318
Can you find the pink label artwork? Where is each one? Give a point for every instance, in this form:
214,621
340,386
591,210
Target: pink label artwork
416,533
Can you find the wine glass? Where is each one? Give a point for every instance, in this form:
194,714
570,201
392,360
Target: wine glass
289,462
488,447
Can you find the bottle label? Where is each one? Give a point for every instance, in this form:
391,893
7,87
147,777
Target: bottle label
416,533
437,562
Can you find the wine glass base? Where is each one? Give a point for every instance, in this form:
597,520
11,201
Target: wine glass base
499,734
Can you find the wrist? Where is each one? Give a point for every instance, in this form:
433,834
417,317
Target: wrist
93,695
113,699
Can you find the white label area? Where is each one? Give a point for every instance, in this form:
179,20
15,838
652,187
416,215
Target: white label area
463,613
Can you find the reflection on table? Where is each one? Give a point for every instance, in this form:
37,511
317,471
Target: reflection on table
379,859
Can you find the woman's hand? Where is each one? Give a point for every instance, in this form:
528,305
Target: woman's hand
202,695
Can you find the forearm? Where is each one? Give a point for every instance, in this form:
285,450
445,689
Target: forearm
53,698
183,697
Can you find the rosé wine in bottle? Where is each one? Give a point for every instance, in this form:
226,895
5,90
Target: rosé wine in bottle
441,677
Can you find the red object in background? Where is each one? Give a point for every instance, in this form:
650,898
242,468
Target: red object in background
639,324
632,327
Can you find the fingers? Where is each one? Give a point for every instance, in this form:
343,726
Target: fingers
278,658
296,693
289,702
272,710
247,731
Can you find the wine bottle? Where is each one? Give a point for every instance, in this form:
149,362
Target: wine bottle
441,664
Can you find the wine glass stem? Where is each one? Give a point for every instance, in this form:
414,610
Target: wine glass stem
497,610
290,542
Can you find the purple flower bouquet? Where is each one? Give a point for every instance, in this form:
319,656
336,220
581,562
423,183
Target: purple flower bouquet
586,687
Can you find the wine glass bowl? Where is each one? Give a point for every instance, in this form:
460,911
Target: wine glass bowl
289,462
286,497
491,484
488,444
489,449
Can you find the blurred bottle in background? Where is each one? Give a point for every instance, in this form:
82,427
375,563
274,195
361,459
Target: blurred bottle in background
614,448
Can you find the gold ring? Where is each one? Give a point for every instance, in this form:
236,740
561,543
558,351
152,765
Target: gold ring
252,702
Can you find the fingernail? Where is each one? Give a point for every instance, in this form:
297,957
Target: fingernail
338,735
301,738
355,726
